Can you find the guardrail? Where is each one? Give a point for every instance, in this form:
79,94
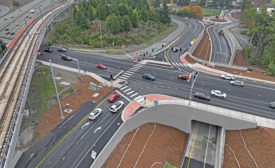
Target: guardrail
14,128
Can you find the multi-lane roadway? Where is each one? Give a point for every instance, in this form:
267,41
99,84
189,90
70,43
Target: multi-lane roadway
73,148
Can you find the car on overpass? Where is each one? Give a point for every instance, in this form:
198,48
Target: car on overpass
116,106
95,113
272,105
66,57
100,66
218,93
202,96
148,76
228,77
61,50
237,83
184,77
48,50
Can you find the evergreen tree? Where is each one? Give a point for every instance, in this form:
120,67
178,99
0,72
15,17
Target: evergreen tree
164,14
134,18
91,13
123,10
113,24
127,23
144,15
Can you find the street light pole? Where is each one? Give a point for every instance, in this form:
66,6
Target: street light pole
196,75
57,94
77,65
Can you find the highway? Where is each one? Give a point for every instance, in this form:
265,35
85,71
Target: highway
13,22
72,146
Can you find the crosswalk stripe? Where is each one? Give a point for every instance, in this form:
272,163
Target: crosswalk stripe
137,98
134,69
130,92
123,88
122,78
126,76
173,64
133,95
177,64
180,64
138,65
127,90
130,72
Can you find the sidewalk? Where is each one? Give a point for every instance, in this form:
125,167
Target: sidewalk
166,42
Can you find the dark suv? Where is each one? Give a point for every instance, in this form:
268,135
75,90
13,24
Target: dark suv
149,77
48,50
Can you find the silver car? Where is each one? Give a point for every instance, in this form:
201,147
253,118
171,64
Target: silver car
95,113
218,93
228,77
237,83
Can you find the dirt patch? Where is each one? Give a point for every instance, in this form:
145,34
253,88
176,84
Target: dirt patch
203,49
260,142
190,60
237,15
50,119
239,59
165,144
218,20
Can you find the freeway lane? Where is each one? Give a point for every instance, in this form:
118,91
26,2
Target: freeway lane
74,148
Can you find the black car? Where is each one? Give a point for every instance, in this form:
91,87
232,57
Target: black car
149,77
48,50
61,50
272,105
12,33
201,96
66,58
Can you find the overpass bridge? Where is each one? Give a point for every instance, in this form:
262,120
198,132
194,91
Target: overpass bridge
15,76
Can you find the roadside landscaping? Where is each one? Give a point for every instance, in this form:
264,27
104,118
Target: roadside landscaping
211,12
165,146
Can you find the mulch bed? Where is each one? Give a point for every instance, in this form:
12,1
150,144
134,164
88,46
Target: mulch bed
260,142
50,119
166,144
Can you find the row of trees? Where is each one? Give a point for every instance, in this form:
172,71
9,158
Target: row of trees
120,15
191,11
261,26
2,46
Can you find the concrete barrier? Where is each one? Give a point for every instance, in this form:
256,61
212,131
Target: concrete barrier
177,114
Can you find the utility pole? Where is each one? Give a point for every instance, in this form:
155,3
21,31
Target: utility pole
57,94
195,78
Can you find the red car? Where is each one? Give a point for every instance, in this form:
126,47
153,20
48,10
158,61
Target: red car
184,77
113,97
100,66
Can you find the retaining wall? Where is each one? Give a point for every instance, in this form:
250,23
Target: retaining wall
177,114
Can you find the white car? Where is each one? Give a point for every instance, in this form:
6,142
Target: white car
218,93
116,106
228,77
95,113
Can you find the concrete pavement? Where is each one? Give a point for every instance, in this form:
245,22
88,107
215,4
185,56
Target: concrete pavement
3,10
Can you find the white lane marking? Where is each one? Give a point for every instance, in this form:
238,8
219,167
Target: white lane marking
173,64
177,64
123,88
127,90
134,69
139,98
123,95
133,95
138,65
97,129
130,92
84,125
119,73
